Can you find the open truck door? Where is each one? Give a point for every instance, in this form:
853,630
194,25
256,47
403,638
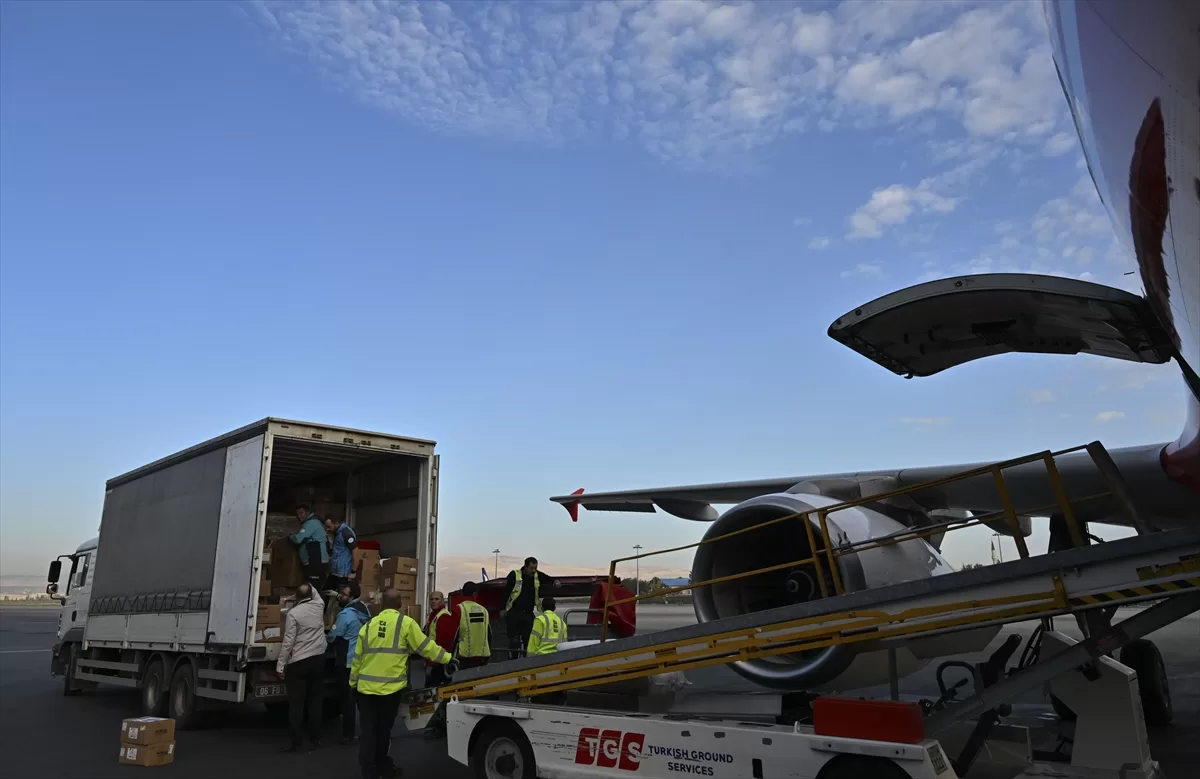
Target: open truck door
927,328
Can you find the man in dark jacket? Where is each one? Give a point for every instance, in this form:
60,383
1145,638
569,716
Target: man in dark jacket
522,593
343,636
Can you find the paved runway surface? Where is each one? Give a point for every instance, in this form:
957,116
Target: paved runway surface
47,735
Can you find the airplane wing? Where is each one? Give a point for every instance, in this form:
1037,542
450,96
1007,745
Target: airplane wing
931,327
1159,500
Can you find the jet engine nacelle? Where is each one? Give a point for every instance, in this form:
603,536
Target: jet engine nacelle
845,667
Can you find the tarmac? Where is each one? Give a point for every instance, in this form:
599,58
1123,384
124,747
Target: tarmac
48,735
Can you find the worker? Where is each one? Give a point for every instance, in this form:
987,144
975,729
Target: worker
301,665
344,635
548,630
379,673
310,541
474,647
341,559
442,627
522,591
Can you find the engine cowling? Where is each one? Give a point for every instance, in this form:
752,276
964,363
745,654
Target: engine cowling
834,667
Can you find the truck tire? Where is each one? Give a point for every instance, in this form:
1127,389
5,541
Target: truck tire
181,703
69,689
860,766
154,689
502,751
1145,659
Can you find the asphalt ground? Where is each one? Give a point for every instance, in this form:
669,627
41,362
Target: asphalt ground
47,735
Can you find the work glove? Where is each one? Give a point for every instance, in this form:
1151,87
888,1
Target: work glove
452,667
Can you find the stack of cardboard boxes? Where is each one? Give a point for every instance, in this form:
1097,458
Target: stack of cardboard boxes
147,741
401,573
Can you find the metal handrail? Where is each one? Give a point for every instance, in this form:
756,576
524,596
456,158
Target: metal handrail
832,555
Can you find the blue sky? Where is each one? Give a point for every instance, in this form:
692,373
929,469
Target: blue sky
579,246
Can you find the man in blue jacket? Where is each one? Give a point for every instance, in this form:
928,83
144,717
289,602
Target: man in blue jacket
310,541
341,562
344,636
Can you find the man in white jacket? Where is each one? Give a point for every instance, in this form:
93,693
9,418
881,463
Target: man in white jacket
302,666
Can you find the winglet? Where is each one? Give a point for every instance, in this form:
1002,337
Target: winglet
573,507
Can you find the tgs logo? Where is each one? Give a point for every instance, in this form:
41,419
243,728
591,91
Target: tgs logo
610,749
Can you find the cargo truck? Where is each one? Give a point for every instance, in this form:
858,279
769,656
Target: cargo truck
166,599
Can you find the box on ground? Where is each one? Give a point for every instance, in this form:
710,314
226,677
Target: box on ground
147,754
147,730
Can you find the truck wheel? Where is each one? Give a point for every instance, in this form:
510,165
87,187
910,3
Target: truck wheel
859,766
154,689
69,688
1145,659
181,704
502,752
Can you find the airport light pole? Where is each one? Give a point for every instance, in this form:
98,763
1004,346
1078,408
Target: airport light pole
496,567
637,569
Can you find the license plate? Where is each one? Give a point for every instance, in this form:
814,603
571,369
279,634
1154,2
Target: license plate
270,690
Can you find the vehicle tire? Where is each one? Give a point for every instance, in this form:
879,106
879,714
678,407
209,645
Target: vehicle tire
1145,659
69,688
181,703
154,689
860,766
502,751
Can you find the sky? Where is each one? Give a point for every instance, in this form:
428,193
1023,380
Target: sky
577,245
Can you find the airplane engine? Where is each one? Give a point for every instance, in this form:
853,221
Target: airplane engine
836,667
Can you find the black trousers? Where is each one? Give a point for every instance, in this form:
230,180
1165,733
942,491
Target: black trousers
305,681
520,625
349,701
378,713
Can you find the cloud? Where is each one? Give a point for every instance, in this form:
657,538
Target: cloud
687,80
924,423
1109,416
802,221
1060,143
894,205
1040,396
865,270
818,243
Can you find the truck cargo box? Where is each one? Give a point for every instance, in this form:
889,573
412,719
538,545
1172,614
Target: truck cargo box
183,537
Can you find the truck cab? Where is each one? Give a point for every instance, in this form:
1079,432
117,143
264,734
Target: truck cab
73,615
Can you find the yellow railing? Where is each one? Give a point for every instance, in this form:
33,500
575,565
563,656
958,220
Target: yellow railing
831,555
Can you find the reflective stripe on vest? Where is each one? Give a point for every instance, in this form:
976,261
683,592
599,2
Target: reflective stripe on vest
550,631
520,579
473,630
384,660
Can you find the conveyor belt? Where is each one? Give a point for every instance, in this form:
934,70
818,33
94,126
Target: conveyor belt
1146,567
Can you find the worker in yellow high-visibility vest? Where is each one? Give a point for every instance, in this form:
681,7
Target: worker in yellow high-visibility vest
474,647
522,592
379,674
548,630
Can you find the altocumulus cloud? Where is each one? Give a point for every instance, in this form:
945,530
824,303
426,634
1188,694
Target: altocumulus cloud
688,79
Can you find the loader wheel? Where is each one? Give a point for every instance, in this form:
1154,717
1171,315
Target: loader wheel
503,752
154,690
860,766
1145,659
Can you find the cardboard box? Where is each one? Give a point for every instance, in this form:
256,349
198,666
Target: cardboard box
144,731
269,614
264,580
405,582
330,510
152,754
284,560
268,634
416,612
395,565
366,567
